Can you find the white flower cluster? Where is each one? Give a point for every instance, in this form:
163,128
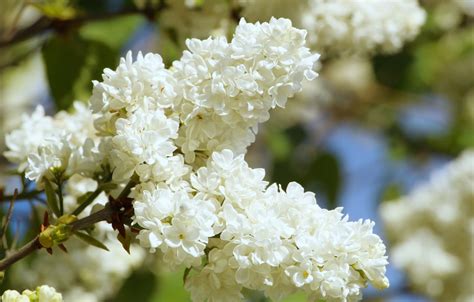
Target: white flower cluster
257,237
353,26
182,20
213,98
335,26
279,241
65,144
432,231
42,293
234,85
181,133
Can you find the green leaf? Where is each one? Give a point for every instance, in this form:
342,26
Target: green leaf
186,274
391,192
324,175
125,241
71,63
394,70
139,287
84,197
279,144
51,198
107,187
169,287
91,240
113,32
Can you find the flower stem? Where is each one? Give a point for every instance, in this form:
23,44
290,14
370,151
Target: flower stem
88,201
33,245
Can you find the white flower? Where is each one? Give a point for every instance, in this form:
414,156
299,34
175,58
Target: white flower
143,83
145,137
179,21
14,296
235,84
46,293
284,240
63,143
50,158
184,131
348,27
216,281
42,293
431,232
174,222
22,143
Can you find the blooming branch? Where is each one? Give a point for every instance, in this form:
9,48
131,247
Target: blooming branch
171,142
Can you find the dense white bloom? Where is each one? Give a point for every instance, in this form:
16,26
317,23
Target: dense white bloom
65,143
347,26
235,84
42,293
141,83
281,241
335,26
22,143
432,232
176,223
144,137
180,21
217,93
181,133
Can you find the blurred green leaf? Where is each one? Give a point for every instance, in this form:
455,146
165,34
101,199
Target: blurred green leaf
139,287
115,33
321,174
427,64
298,297
391,192
71,63
279,144
170,288
91,240
170,50
51,198
393,70
324,176
91,7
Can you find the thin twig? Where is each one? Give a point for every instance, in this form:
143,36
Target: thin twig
6,222
33,245
24,251
87,202
19,58
101,215
126,191
61,198
106,214
44,24
21,196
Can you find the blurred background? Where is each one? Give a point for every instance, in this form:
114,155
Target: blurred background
371,129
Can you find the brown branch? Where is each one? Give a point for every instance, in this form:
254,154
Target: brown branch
24,251
81,224
44,24
38,27
101,215
20,196
8,217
